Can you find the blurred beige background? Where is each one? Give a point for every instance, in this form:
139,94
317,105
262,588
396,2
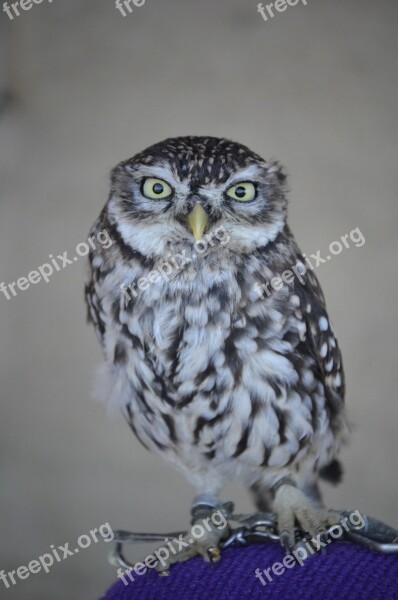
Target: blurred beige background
315,87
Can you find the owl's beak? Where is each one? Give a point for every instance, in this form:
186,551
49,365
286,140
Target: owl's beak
197,221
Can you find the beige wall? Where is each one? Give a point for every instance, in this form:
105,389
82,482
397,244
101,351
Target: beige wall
314,87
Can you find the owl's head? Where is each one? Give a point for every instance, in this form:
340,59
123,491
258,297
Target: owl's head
179,190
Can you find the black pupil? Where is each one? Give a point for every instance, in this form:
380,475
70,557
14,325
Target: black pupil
157,188
240,192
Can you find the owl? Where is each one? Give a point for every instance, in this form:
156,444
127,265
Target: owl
218,347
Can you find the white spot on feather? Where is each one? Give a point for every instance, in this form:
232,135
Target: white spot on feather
323,324
324,350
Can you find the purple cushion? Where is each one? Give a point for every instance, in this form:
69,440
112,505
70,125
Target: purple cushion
345,572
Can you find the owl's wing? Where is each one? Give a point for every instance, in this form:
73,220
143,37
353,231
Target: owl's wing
97,268
94,313
321,341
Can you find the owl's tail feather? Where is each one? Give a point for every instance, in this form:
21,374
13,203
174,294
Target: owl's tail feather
263,497
333,472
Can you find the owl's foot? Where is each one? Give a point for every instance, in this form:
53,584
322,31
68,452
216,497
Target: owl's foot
209,527
291,505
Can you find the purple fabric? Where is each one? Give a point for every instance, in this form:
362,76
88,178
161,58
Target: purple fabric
345,572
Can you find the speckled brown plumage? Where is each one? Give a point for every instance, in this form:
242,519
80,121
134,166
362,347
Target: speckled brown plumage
219,379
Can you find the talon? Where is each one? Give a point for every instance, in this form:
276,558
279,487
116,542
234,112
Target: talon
321,534
214,554
206,545
291,505
287,540
324,539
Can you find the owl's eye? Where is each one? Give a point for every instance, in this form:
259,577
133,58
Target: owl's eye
156,189
243,192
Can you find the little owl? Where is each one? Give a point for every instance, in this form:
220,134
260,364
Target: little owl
223,376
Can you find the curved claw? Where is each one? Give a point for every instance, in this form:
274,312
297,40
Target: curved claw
214,554
287,540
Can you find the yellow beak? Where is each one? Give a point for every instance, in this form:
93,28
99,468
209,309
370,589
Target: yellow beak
197,221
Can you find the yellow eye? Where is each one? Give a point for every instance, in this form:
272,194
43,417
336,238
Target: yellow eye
156,189
243,192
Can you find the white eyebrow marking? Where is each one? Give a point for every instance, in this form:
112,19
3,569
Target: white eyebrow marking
249,172
159,171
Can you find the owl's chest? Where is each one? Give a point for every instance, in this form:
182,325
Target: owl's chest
213,361
206,335
183,331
